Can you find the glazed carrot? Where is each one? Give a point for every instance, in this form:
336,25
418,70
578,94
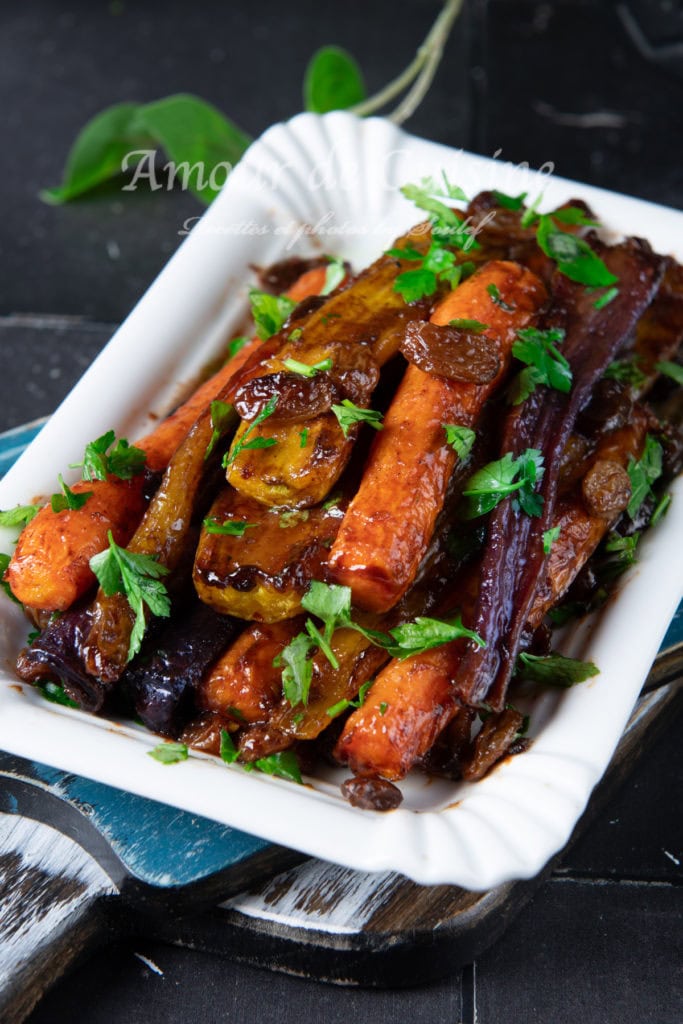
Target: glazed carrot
390,521
310,283
50,566
412,701
244,684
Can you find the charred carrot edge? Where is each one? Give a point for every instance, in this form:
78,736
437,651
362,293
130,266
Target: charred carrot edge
389,523
412,701
50,568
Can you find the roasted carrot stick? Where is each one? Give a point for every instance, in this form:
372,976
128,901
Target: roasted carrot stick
244,684
50,566
412,701
389,523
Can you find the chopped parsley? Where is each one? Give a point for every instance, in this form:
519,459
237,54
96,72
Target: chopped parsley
425,633
283,764
304,370
643,473
492,483
472,326
21,515
555,669
228,528
56,694
138,578
68,500
343,704
292,517
236,345
5,560
669,369
574,257
303,437
244,443
269,312
494,292
222,419
348,414
297,670
549,538
545,364
335,272
383,708
626,371
461,439
123,460
510,202
169,753
607,297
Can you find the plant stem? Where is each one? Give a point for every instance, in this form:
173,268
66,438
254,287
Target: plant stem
419,73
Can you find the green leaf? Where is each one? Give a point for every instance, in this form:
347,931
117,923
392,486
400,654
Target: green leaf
461,439
673,370
124,460
607,297
292,517
137,577
303,437
195,133
495,481
348,414
229,528
67,500
627,371
244,442
545,363
4,565
472,326
412,285
574,257
305,369
56,694
195,136
549,538
574,215
269,312
643,473
99,151
223,419
425,633
285,765
169,753
510,202
236,345
335,273
497,298
555,669
21,515
332,81
298,671
228,750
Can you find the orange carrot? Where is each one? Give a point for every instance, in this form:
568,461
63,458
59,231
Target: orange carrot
390,521
50,568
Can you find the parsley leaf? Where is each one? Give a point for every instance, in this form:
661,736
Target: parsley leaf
545,363
574,257
492,483
236,345
343,704
643,473
21,515
555,669
269,312
223,417
348,414
412,285
169,753
425,633
119,571
229,528
607,297
228,751
472,326
335,272
292,517
510,202
461,439
244,444
494,292
284,764
4,565
627,371
549,538
673,370
124,460
55,693
303,437
304,370
67,499
298,670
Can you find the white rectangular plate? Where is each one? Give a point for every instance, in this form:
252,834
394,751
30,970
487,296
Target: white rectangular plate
331,183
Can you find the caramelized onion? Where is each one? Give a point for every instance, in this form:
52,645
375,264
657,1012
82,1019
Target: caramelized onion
450,352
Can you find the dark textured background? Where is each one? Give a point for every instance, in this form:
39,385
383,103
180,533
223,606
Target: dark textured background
595,88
